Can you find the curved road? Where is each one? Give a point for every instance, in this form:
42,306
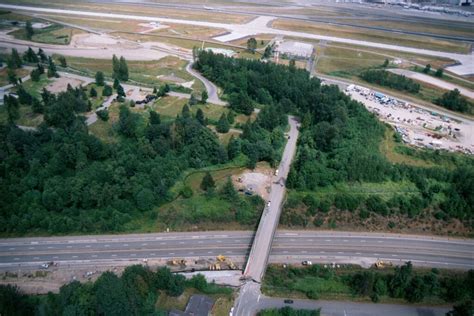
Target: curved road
211,88
288,246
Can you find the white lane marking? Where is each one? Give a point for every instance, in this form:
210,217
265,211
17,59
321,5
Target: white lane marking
16,258
394,255
152,254
200,242
345,240
34,242
125,245
69,247
133,255
144,244
376,254
219,241
358,253
328,240
171,253
36,258
310,240
258,298
106,246
113,255
228,251
191,252
340,252
238,240
94,256
31,248
88,246
292,239
303,251
162,243
55,257
11,249
74,256
322,252
362,241
181,242
210,252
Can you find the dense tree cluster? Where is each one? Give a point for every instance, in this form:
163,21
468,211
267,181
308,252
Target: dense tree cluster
339,140
402,282
453,100
391,80
65,179
135,292
119,68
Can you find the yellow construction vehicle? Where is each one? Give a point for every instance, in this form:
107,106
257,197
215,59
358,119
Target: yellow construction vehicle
221,258
178,262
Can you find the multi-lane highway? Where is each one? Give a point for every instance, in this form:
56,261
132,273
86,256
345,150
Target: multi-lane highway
288,246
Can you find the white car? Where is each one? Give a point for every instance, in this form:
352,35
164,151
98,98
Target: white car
268,204
45,266
307,263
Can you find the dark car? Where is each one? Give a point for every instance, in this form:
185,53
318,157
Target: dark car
288,301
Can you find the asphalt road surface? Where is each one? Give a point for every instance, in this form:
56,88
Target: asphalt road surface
287,246
262,244
260,26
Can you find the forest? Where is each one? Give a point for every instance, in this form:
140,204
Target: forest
339,142
135,292
453,100
391,80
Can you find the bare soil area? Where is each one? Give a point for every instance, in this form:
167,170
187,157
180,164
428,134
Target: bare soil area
60,84
256,181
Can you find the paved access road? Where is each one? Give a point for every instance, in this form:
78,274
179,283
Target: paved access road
288,246
262,243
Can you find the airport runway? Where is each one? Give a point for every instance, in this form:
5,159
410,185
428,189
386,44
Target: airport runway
288,246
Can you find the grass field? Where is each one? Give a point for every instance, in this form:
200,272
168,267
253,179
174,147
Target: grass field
35,87
372,36
20,73
27,117
54,34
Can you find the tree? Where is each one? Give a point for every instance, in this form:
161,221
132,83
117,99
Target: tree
204,97
116,83
464,308
228,191
439,73
123,69
185,112
103,115
99,78
42,56
427,69
40,68
30,56
35,75
62,61
14,302
12,106
233,148
37,106
111,297
121,91
155,118
453,100
12,78
29,30
223,124
192,100
128,122
23,96
115,67
52,71
385,63
93,93
252,44
107,91
207,182
155,91
200,117
16,59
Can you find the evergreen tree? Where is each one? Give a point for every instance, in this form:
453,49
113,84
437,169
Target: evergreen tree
439,73
36,106
116,83
223,124
185,112
35,75
385,63
52,71
231,117
155,118
42,56
40,68
268,52
99,78
107,91
204,97
200,117
121,91
427,69
155,91
12,78
93,93
207,182
233,148
115,67
228,191
16,59
453,100
23,96
29,30
30,56
12,106
62,61
192,100
252,44
123,69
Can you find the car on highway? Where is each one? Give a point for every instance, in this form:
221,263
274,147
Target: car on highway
288,301
44,266
307,263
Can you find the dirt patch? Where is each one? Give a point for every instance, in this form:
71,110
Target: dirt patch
256,181
60,84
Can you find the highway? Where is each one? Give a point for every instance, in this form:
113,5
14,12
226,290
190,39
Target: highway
288,246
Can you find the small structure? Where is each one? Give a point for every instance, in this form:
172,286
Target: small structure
294,49
198,305
225,52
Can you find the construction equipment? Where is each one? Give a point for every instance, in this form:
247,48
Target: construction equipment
230,264
221,258
177,262
379,264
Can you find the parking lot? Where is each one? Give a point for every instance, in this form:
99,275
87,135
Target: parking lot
417,126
